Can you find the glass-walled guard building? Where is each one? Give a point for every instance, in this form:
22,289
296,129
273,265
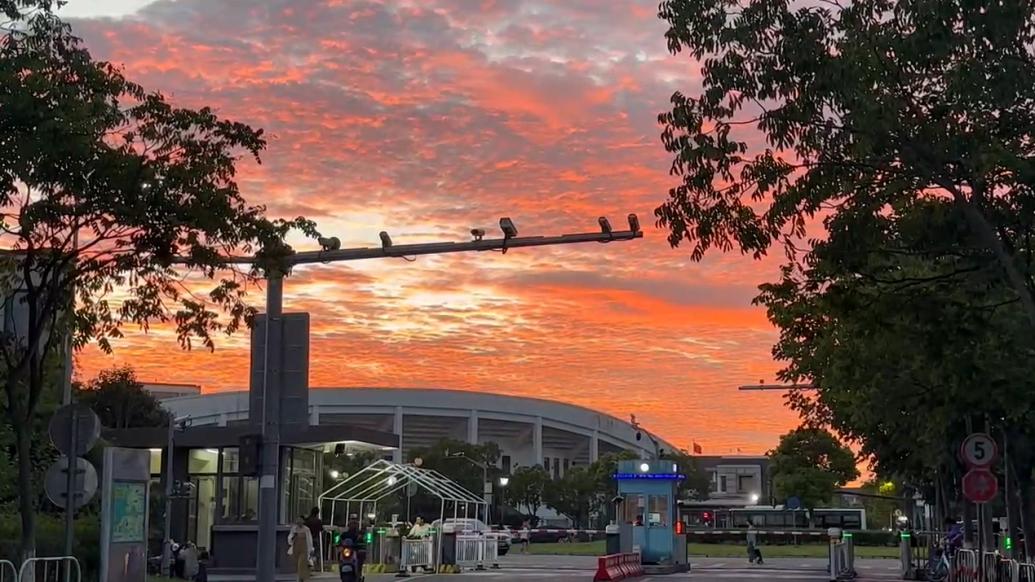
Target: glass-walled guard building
219,509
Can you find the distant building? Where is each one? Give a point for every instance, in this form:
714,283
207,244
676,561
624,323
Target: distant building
163,391
738,481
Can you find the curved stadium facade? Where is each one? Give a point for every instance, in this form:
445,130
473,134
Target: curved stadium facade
529,431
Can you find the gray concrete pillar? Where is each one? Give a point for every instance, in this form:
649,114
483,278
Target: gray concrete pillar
472,427
537,440
314,415
397,428
594,447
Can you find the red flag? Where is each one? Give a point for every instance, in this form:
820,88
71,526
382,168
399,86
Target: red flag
697,449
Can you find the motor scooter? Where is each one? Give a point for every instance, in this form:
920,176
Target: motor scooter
348,563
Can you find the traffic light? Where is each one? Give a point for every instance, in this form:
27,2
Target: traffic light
707,516
369,537
336,538
680,527
248,463
1008,543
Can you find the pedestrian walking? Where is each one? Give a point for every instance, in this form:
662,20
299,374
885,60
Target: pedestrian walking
300,548
525,536
754,553
315,525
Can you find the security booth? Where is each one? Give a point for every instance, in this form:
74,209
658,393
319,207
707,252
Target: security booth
647,516
215,498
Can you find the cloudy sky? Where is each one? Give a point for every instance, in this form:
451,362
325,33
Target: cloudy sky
426,118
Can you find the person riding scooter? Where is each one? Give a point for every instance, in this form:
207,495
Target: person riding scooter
349,567
353,537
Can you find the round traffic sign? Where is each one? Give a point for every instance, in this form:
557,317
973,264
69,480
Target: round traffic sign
978,450
77,418
980,485
84,482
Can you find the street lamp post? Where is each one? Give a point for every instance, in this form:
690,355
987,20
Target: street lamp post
271,381
166,568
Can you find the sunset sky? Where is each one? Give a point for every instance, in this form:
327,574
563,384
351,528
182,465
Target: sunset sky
426,118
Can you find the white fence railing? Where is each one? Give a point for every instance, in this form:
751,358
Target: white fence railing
470,550
8,573
417,553
55,569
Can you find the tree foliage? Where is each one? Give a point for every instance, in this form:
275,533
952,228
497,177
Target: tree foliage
458,460
120,401
576,495
809,464
525,489
835,108
115,201
913,338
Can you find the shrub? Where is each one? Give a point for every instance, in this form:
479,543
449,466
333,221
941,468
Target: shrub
50,539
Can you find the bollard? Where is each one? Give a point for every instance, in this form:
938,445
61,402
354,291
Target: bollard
614,541
906,555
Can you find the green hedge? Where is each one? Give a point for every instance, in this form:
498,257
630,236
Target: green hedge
861,538
50,539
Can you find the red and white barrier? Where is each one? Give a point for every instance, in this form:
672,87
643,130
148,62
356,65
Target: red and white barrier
618,567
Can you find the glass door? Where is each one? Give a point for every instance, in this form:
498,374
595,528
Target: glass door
202,511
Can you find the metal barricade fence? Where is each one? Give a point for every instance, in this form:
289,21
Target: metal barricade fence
470,549
990,566
8,573
965,566
52,570
491,554
417,552
1025,572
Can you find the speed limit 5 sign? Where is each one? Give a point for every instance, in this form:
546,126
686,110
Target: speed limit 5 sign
978,450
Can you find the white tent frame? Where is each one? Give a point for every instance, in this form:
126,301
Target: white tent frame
383,478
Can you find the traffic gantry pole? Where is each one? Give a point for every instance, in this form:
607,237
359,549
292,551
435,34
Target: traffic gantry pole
271,386
780,387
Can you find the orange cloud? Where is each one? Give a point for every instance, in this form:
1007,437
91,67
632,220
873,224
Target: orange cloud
426,119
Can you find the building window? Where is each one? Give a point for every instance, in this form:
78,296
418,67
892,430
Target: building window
566,466
546,464
556,467
658,511
722,483
505,464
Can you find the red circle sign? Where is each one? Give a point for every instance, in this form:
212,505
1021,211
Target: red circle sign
980,485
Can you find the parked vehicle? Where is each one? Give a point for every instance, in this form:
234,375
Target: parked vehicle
470,525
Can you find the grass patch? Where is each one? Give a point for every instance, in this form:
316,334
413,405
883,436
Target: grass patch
720,550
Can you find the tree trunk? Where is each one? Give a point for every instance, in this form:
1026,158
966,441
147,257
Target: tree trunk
26,493
984,229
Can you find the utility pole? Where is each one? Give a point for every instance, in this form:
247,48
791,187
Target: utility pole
332,252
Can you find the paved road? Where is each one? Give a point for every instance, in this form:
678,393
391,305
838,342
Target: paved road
580,569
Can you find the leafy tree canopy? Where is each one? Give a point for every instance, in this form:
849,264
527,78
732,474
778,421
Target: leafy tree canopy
810,464
117,202
810,110
120,401
525,489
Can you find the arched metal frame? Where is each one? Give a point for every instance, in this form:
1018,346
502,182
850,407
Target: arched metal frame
383,478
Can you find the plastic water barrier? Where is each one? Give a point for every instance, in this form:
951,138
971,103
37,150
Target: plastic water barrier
618,567
417,552
8,573
50,570
1025,572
